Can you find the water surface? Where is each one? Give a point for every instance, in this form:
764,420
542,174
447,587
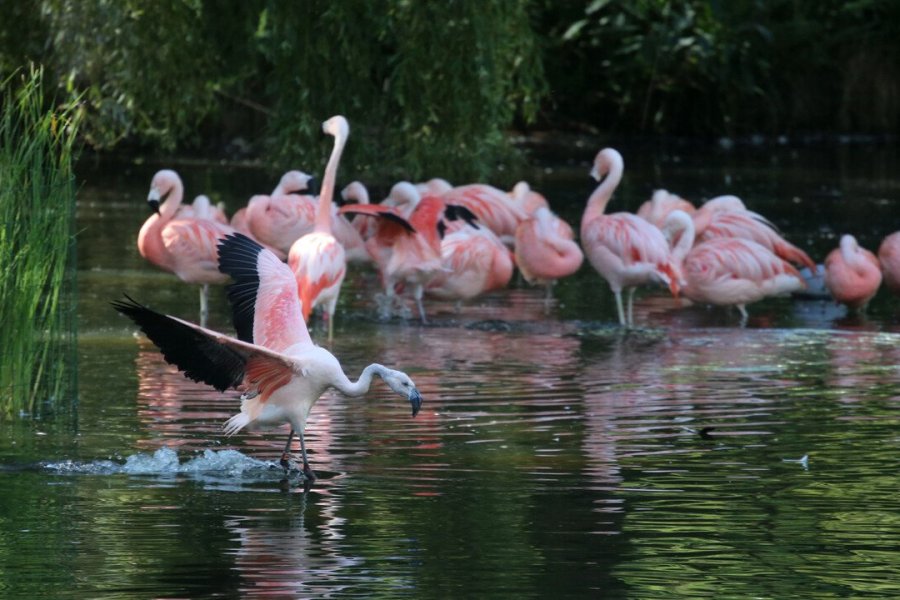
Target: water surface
555,455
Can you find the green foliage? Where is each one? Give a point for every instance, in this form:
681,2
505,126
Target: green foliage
37,215
429,88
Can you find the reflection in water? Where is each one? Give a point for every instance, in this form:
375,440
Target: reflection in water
554,455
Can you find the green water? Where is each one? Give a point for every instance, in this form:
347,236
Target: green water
554,456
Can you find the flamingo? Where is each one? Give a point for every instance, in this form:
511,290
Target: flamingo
852,274
626,250
728,271
202,208
408,250
273,360
716,222
657,208
493,207
279,219
317,259
527,199
545,249
475,262
889,257
356,192
183,246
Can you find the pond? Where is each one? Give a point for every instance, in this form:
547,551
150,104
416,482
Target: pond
555,454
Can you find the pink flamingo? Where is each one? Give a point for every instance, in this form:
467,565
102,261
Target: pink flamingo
728,271
527,199
710,223
493,207
889,257
852,274
545,249
317,259
407,251
273,360
281,218
626,250
184,246
475,262
657,208
202,208
356,192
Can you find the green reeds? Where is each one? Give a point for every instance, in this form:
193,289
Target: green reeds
38,352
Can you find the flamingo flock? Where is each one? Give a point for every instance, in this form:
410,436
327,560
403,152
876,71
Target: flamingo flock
286,255
434,239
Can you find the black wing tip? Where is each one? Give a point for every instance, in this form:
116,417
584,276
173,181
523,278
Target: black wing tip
454,212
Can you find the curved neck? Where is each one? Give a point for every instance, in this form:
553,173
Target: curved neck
852,253
608,169
323,212
168,208
679,230
361,386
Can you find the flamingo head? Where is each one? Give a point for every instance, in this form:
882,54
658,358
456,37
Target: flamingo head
403,385
162,184
604,162
336,126
293,182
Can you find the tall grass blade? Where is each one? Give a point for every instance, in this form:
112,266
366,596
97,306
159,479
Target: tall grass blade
38,326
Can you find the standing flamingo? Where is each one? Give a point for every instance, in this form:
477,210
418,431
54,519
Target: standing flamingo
728,271
318,259
545,250
493,207
626,250
184,246
889,257
274,361
852,274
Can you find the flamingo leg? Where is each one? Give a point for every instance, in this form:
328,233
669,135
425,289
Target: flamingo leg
631,306
420,290
620,308
307,472
285,461
744,314
204,304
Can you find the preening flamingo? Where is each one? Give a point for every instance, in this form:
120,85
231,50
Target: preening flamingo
742,223
407,251
184,246
317,259
852,274
728,271
202,208
626,250
493,207
281,218
527,199
889,257
475,262
657,208
274,361
545,249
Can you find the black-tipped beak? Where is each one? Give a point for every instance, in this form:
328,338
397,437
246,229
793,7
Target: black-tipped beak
154,205
415,399
312,186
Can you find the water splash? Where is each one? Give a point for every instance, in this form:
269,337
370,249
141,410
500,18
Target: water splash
165,461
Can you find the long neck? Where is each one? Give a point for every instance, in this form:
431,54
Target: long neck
323,212
679,230
361,386
612,165
168,208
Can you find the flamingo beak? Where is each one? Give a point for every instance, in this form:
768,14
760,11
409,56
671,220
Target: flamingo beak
415,399
312,186
153,200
